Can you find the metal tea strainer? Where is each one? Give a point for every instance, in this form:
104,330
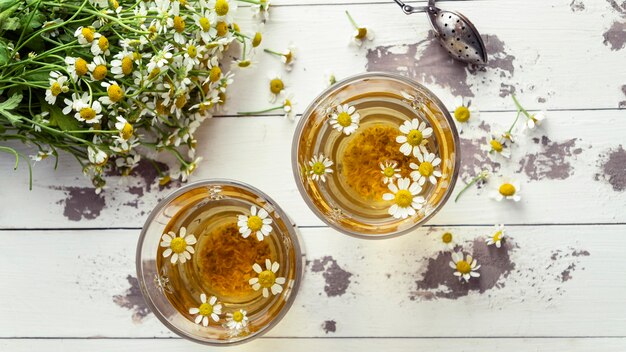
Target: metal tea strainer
455,32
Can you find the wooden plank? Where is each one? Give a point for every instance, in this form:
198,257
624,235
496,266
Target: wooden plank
545,281
530,53
327,344
581,158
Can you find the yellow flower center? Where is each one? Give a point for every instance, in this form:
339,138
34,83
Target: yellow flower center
103,43
288,57
55,89
319,168
256,40
496,145
222,28
87,113
178,245
115,4
127,65
344,119
222,97
446,237
507,189
181,100
389,171
287,103
361,33
192,51
497,236
127,131
221,7
267,278
81,67
426,168
88,34
414,137
205,309
404,198
215,73
100,72
205,24
179,24
115,93
255,223
276,85
236,27
165,180
462,114
238,316
154,73
463,267
244,63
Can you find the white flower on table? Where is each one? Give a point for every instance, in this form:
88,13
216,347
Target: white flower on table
506,188
498,145
258,223
237,320
361,33
210,308
414,135
179,247
497,236
267,279
427,168
319,167
405,198
464,112
276,86
390,171
345,119
535,120
464,269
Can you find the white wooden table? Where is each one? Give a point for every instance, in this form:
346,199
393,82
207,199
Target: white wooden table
67,254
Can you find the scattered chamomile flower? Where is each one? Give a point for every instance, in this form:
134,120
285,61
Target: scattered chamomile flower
96,156
414,135
463,112
42,154
267,279
506,189
100,45
124,127
115,93
390,171
98,68
276,86
330,79
319,167
287,56
58,85
535,120
345,119
261,9
180,248
360,34
497,236
498,145
77,67
237,320
464,269
405,198
290,113
257,35
447,239
483,175
85,35
427,168
258,223
210,308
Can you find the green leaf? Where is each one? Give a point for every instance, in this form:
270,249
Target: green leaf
10,104
10,24
4,53
37,76
7,8
58,118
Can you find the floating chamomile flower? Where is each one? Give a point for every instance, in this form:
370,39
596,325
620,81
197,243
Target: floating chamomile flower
405,198
276,85
360,34
210,308
319,167
415,134
237,320
497,236
463,112
427,168
267,279
535,120
464,269
345,119
180,248
498,145
506,189
124,127
258,223
390,171
58,85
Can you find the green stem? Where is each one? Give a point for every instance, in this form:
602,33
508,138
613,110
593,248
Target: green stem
519,106
11,151
256,2
514,122
356,26
481,176
272,52
259,111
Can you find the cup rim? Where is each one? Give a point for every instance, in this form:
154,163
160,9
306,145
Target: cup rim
346,81
296,244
